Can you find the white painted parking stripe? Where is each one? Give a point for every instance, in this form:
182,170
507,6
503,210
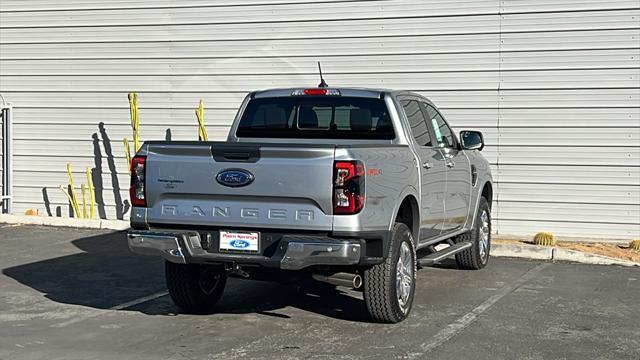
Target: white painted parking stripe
140,300
457,326
128,304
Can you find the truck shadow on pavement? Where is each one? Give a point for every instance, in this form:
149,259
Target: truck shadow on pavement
106,275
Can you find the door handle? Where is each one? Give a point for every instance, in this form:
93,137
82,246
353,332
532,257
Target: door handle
427,165
450,164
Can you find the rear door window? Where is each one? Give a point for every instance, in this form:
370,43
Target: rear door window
316,117
417,122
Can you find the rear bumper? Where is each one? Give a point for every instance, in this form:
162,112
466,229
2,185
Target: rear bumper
291,252
161,244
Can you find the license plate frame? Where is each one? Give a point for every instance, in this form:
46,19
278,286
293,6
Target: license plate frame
237,241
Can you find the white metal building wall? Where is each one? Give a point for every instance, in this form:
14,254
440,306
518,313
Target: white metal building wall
555,86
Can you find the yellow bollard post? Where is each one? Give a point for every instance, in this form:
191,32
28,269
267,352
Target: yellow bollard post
70,199
83,189
133,110
202,132
92,199
74,199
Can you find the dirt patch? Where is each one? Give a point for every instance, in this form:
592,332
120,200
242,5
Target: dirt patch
611,250
615,251
509,241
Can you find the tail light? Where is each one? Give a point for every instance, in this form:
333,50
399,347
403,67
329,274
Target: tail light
137,188
348,187
316,92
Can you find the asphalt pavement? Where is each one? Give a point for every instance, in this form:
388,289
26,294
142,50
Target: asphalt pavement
79,294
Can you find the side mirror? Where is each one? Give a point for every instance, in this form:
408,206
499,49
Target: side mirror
471,140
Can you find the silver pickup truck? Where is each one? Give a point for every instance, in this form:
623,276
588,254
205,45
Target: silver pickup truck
352,187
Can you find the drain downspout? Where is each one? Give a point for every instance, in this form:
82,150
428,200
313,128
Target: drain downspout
7,155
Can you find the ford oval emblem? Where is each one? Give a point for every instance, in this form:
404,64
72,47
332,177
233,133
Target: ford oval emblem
234,177
239,244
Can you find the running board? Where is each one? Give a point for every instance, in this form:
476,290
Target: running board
443,254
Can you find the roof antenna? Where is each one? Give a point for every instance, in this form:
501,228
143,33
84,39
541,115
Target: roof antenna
322,83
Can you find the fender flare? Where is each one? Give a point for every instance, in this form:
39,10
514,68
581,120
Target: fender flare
486,179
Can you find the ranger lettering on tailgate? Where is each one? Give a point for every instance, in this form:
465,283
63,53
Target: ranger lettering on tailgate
197,211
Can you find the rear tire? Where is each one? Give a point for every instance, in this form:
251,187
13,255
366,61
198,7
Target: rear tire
389,287
195,288
477,256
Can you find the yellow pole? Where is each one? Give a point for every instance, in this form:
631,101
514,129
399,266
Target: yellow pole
74,199
133,110
202,132
127,153
68,198
92,199
83,188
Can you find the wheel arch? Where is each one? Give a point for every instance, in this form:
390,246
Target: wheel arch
487,192
408,212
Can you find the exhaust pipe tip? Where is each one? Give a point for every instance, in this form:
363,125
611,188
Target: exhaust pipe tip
353,281
357,282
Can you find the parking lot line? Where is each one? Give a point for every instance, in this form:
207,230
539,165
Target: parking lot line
461,323
141,300
125,305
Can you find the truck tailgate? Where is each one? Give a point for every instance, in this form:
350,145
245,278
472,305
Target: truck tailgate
291,186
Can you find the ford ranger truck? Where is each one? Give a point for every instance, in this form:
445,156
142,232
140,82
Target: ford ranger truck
352,187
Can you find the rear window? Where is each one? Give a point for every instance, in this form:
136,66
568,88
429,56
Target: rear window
318,117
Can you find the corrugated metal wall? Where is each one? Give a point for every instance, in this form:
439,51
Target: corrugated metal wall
555,86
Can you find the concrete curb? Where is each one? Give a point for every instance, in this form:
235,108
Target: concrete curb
555,254
66,222
522,251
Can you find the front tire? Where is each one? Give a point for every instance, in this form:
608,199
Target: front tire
389,287
477,256
195,288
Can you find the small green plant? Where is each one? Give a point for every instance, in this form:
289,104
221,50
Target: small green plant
635,245
544,239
